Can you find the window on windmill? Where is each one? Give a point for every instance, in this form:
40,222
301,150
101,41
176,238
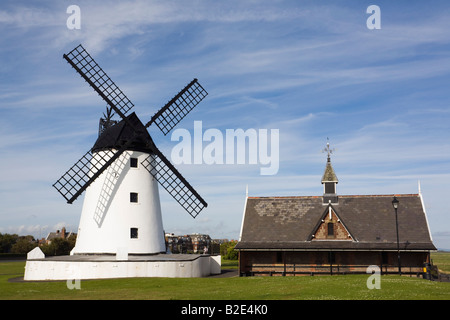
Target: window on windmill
133,233
330,229
133,162
133,197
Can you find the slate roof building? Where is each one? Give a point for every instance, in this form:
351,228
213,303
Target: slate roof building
333,234
63,234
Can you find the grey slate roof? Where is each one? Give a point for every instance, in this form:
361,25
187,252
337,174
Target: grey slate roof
288,222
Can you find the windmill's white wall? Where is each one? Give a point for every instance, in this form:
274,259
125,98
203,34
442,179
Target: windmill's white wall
69,269
108,215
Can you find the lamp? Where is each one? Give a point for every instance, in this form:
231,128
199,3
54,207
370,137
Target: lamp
395,203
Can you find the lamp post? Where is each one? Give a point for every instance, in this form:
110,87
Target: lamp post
395,205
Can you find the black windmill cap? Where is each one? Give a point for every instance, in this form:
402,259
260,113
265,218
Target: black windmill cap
118,135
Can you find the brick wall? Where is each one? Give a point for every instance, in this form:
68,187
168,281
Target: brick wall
339,231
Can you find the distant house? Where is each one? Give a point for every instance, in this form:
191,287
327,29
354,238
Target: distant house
333,234
63,234
193,243
201,243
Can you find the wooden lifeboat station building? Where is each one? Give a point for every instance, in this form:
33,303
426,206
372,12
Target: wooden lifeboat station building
333,234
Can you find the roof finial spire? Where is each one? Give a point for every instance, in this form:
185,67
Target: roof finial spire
328,150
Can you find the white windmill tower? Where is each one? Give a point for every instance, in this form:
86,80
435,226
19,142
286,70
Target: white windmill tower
121,210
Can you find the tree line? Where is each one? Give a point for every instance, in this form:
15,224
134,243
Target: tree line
15,244
227,250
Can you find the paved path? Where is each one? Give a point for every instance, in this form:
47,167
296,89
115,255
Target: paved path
226,273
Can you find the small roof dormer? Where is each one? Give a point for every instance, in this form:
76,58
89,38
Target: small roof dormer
329,180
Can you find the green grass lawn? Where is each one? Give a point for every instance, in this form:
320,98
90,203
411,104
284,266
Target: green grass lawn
251,288
229,264
442,260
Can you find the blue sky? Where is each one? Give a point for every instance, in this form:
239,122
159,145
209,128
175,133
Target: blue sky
311,69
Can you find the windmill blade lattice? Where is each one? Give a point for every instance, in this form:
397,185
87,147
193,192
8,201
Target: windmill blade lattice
84,172
174,183
178,107
86,66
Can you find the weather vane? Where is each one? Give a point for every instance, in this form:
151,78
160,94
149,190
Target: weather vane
328,150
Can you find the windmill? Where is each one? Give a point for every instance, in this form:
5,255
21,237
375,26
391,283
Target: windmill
120,173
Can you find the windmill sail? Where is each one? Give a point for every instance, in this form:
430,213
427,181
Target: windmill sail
84,172
177,108
86,66
174,183
109,187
